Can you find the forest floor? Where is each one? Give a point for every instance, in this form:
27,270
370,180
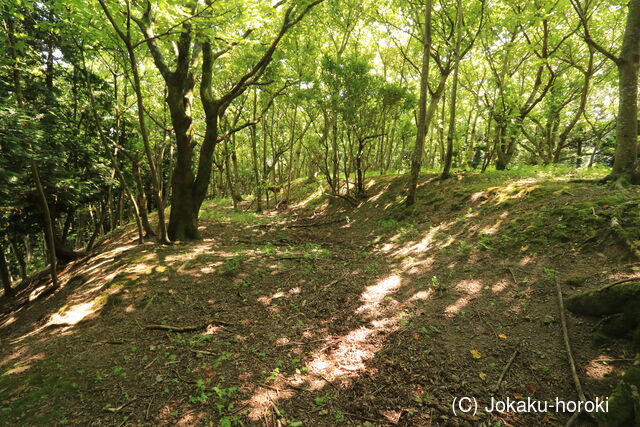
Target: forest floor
326,314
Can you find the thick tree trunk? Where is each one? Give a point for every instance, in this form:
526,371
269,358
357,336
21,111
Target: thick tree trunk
183,224
627,126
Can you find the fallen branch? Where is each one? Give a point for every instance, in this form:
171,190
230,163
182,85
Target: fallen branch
315,224
571,360
185,328
121,406
505,370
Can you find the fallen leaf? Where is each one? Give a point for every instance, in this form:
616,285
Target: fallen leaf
503,336
532,388
482,376
416,337
475,354
518,395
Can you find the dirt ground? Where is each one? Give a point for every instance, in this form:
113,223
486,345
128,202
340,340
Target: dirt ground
325,314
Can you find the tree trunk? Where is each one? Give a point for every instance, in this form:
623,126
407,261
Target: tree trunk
627,126
454,94
254,155
416,160
17,253
48,229
5,276
142,198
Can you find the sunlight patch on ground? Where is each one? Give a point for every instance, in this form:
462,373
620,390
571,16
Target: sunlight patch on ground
25,365
345,357
424,245
374,295
493,229
525,260
500,286
100,264
598,369
190,251
471,289
316,194
346,360
13,356
73,315
8,322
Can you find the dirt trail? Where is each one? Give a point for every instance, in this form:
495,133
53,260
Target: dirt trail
318,316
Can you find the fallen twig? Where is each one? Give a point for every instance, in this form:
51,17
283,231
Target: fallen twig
314,224
334,282
170,328
115,342
121,406
150,363
203,352
146,415
486,322
571,360
513,276
373,420
505,370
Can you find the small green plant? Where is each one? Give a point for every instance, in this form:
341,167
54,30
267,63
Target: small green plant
269,249
485,242
321,401
274,375
388,223
550,273
436,285
202,396
403,319
232,265
224,356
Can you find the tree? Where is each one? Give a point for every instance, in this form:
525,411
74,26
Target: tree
423,119
626,156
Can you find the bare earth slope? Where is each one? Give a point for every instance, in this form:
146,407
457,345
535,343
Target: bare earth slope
326,314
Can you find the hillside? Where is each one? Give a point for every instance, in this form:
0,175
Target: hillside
328,314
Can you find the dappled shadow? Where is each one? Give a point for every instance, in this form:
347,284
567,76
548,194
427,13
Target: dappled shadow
316,315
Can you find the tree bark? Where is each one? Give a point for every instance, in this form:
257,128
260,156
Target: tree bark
416,160
48,229
155,169
17,253
5,276
626,155
454,94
